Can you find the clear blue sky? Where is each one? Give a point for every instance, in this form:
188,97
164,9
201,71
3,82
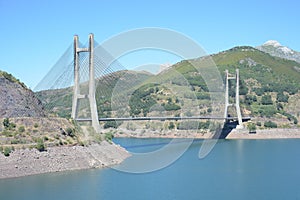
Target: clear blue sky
34,33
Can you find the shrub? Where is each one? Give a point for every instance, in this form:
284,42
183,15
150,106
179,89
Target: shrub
171,125
21,129
15,141
70,132
282,98
36,125
295,121
266,100
6,123
110,124
270,124
109,136
7,151
171,106
209,110
258,123
251,127
40,146
204,125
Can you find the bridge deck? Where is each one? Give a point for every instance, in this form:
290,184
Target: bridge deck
159,118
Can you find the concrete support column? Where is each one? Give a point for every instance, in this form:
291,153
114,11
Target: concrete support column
237,100
237,97
92,90
76,90
226,95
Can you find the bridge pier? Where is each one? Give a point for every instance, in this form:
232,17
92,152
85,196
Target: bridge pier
91,95
237,98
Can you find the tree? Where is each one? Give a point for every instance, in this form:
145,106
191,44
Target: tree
243,88
282,98
270,124
110,124
8,125
266,100
209,110
251,128
171,125
259,91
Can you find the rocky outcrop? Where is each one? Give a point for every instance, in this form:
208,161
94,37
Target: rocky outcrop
24,162
16,100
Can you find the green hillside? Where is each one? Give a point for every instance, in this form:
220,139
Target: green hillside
269,90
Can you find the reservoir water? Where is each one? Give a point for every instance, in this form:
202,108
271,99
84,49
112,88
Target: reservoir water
234,169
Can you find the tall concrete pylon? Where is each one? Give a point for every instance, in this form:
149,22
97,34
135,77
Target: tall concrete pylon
237,97
91,94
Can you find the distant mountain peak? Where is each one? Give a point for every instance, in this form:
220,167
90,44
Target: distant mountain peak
273,43
274,48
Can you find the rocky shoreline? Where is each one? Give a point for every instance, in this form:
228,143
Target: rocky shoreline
275,133
24,162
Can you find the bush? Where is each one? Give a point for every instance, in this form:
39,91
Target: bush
282,98
266,100
171,125
14,141
110,124
270,124
21,129
7,151
204,125
267,111
258,123
35,125
70,132
109,136
171,106
251,127
8,125
259,91
249,99
40,146
295,121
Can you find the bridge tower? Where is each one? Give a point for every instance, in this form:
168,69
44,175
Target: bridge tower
91,94
237,97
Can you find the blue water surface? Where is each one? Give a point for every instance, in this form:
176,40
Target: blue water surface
235,169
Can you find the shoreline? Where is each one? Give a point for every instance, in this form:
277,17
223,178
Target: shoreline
26,162
276,133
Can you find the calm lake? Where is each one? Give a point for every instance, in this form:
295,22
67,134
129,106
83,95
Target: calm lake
234,169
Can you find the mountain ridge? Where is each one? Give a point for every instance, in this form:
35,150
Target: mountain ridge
274,48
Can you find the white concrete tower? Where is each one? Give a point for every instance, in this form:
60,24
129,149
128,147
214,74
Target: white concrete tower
92,90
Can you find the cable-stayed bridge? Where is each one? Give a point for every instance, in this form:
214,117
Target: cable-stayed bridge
83,65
